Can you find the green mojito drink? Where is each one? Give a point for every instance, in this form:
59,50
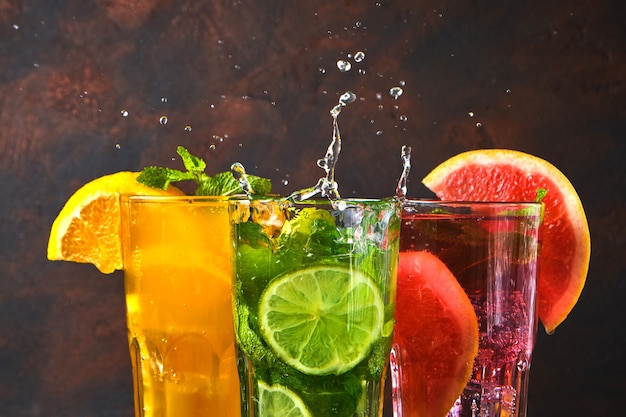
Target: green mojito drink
314,302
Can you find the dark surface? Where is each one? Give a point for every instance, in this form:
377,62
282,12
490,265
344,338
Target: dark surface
544,77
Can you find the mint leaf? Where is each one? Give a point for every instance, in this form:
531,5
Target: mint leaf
157,177
192,163
541,194
222,184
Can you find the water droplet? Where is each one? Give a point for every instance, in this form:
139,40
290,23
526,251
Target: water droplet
344,66
124,113
379,96
118,146
322,70
479,125
163,99
471,114
404,118
402,83
285,181
187,128
379,132
361,71
347,98
359,56
16,27
508,91
163,120
212,146
395,92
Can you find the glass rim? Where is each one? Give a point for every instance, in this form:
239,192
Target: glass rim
138,198
317,201
484,203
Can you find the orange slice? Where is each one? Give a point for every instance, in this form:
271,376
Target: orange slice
88,227
506,175
441,332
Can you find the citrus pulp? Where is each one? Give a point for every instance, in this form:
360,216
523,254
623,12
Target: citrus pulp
88,227
506,175
323,319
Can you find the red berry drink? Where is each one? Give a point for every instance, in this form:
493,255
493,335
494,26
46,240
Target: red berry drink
490,250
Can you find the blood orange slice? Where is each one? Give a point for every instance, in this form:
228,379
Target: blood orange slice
506,175
437,322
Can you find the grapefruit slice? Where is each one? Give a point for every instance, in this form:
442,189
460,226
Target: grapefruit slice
441,330
506,175
87,229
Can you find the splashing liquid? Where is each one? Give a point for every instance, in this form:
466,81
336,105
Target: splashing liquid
406,167
327,186
239,172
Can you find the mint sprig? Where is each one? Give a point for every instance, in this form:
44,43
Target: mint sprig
222,184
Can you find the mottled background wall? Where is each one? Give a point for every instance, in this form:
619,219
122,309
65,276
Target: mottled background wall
255,81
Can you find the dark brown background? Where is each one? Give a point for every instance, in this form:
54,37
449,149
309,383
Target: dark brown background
539,76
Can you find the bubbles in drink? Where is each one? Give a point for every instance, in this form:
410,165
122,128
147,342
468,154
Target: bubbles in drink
343,65
163,120
401,189
395,92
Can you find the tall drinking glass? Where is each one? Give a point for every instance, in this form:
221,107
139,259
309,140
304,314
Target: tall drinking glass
491,250
177,254
314,298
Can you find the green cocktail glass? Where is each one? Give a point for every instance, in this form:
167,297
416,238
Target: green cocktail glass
314,302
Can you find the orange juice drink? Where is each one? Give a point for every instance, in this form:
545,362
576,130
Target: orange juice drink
177,253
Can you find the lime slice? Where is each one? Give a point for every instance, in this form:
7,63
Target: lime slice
276,400
321,320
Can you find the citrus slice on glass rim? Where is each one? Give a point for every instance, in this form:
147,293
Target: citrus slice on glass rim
507,175
88,227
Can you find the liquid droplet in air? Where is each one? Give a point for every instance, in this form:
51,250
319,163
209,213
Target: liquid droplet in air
406,167
343,65
396,92
239,172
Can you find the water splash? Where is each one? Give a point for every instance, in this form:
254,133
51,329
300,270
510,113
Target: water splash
239,172
401,189
327,186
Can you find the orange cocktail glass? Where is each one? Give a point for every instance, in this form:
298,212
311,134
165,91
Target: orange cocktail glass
177,254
